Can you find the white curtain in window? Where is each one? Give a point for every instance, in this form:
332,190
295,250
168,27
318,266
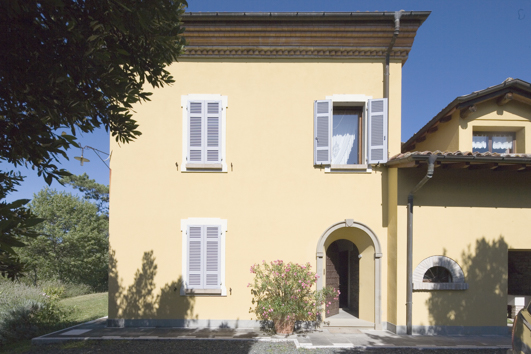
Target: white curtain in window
341,148
479,142
502,143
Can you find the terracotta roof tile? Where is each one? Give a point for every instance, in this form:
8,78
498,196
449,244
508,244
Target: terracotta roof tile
457,153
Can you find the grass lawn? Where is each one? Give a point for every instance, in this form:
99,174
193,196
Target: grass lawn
86,308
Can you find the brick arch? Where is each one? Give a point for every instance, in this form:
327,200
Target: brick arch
458,277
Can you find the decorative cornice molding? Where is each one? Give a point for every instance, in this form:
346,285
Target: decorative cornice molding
298,35
290,52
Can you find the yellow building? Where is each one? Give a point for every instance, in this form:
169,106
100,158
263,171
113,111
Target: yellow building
470,218
275,143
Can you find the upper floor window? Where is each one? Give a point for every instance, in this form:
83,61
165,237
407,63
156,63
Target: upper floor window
499,142
204,132
350,131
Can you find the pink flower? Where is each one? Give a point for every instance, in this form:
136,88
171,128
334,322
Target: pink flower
248,285
328,311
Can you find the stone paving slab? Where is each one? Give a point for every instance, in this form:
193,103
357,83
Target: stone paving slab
323,338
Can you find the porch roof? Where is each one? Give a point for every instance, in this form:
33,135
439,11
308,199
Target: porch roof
464,160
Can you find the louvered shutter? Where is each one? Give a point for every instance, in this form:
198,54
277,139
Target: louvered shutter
322,112
213,132
195,257
195,136
378,148
212,246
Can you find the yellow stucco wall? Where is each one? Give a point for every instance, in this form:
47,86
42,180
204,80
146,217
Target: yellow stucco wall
446,138
472,217
276,203
456,134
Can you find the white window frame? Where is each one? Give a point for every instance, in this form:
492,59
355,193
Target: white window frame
361,101
185,99
222,223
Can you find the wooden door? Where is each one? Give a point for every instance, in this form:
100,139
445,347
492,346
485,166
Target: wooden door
332,278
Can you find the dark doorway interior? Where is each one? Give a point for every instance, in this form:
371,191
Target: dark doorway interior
519,280
342,272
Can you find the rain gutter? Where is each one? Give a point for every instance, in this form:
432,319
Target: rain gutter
398,14
409,287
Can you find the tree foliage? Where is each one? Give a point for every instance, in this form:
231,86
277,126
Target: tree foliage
71,66
73,242
15,220
94,192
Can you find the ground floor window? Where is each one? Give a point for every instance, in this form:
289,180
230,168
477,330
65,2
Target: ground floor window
203,256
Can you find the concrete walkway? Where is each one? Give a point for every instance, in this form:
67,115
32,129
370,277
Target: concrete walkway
346,319
332,337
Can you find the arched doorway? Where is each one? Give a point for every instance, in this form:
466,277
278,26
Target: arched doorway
337,239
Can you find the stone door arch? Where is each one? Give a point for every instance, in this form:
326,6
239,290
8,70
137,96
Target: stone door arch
321,259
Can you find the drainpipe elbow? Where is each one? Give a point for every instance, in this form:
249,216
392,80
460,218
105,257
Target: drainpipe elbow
398,14
431,165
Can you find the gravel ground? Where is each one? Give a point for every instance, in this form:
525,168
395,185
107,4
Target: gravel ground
222,347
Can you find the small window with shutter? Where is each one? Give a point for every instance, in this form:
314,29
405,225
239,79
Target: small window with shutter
203,132
350,132
203,256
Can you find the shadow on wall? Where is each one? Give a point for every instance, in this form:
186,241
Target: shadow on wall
141,299
465,188
485,301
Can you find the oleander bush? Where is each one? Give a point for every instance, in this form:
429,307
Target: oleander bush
285,293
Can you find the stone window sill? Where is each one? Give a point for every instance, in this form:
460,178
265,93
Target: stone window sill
204,166
203,291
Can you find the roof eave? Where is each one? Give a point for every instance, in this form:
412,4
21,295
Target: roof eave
452,159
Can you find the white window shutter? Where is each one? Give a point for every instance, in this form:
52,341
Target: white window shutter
213,132
196,132
378,147
195,257
322,113
212,246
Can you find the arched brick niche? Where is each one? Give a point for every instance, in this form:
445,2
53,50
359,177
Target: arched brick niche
458,277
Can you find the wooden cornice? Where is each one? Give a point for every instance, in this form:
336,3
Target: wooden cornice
298,35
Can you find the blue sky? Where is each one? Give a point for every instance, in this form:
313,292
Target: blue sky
463,46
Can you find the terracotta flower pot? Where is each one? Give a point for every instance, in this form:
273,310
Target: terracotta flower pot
284,326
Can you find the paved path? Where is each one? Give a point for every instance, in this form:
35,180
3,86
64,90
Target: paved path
332,337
